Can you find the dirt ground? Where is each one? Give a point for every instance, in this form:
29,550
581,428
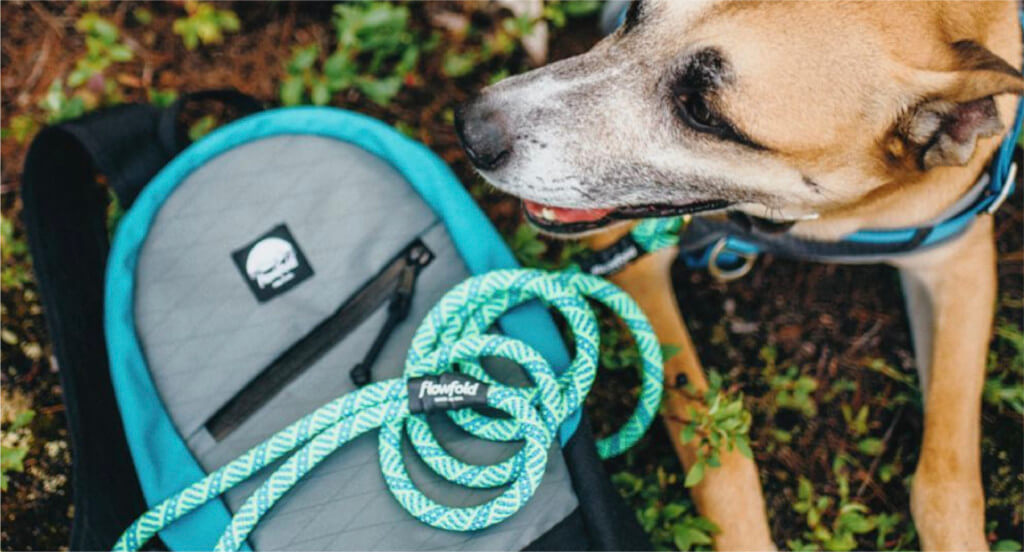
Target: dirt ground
820,354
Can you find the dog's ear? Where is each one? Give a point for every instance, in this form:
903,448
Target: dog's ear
957,109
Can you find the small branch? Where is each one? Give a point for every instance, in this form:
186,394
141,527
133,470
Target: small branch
885,444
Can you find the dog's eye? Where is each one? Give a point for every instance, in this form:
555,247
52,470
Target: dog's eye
698,114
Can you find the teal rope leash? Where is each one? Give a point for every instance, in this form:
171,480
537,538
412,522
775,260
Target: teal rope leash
452,334
657,233
647,236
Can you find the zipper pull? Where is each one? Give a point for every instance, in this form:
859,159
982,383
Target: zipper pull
398,310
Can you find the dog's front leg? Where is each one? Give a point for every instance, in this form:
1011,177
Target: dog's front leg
730,495
950,297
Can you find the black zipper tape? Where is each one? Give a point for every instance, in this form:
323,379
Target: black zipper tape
394,280
416,257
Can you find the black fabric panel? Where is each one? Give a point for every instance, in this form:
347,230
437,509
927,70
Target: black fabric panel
568,534
610,523
65,213
122,142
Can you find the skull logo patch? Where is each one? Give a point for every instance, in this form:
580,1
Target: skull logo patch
273,263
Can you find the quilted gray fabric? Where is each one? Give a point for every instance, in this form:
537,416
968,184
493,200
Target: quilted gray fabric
205,335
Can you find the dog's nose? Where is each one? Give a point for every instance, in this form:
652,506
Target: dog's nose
484,135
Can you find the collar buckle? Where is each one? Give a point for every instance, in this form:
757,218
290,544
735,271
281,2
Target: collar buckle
725,274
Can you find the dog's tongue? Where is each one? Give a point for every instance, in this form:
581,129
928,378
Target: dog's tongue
561,214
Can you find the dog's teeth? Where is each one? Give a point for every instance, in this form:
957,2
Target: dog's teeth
548,214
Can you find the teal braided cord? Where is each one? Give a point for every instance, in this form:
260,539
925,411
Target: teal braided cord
452,336
465,310
254,460
657,233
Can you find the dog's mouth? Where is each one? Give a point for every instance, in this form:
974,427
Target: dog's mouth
562,220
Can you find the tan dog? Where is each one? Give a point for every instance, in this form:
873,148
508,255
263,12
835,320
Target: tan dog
837,116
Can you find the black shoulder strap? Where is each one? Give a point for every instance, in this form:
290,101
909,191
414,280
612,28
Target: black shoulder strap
64,211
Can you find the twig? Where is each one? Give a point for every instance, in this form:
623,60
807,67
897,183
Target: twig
885,443
37,71
863,339
48,18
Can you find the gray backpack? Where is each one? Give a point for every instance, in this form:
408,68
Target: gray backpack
266,269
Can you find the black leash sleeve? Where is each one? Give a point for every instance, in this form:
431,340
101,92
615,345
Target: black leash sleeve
64,211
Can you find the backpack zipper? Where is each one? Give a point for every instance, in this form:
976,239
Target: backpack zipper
394,283
398,310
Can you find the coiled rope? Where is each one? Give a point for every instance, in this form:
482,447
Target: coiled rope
451,335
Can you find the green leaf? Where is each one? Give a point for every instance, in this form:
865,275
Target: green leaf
92,24
228,21
695,474
669,350
21,128
142,15
706,525
161,98
303,58
120,52
23,418
380,91
458,64
80,75
292,89
202,127
319,92
840,543
11,459
856,522
338,66
684,537
743,445
804,489
871,446
688,433
1006,545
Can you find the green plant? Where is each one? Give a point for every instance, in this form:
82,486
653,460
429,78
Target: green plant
794,390
14,252
201,127
58,106
836,522
204,23
482,47
376,53
161,98
618,350
12,456
558,12
142,15
1004,383
103,49
87,85
669,523
723,424
532,250
527,245
21,128
857,424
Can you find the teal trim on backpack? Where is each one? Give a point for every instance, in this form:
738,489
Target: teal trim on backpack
163,461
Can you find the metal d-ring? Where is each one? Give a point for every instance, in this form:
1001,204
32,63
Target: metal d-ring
727,275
